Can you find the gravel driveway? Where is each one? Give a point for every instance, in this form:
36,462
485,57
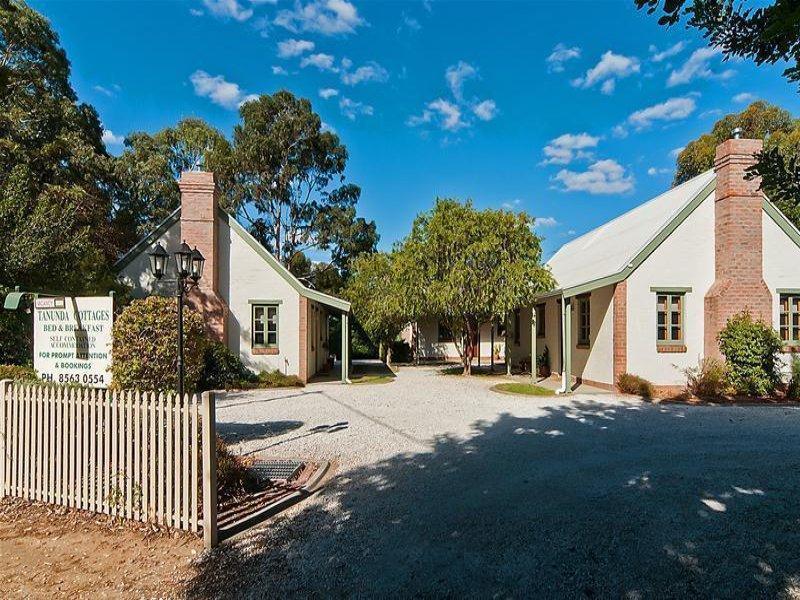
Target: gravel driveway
445,488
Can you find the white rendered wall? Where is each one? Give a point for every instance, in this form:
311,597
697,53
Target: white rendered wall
781,268
431,348
137,274
595,363
684,259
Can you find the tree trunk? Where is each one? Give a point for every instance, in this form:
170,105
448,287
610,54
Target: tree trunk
389,356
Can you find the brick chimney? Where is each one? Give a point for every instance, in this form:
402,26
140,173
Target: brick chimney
739,282
199,208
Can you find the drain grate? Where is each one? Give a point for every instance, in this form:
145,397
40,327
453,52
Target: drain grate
277,468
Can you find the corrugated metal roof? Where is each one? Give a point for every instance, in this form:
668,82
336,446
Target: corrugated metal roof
610,248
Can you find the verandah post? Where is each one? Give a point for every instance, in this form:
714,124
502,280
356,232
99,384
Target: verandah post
533,342
210,532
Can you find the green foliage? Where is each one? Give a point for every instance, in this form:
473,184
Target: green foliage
277,379
145,346
751,349
18,373
635,385
767,34
148,169
401,352
708,379
288,182
467,267
55,205
223,369
793,389
523,389
543,363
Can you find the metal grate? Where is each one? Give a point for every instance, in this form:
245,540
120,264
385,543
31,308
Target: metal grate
277,468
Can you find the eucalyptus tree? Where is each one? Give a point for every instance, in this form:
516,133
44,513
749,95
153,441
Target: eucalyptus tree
467,267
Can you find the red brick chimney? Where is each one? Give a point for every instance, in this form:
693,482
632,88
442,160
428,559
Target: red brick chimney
739,282
199,208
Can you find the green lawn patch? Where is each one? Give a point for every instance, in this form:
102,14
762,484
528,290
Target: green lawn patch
522,389
482,371
372,379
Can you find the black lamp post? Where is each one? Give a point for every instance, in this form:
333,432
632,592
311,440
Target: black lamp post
189,266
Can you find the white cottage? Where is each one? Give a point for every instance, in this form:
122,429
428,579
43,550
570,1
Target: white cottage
648,292
249,300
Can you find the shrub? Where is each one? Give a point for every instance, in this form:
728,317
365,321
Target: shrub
543,363
401,352
708,379
233,476
793,389
276,378
145,338
751,350
633,384
223,369
18,373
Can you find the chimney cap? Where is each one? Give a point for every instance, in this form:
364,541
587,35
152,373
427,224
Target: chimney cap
737,133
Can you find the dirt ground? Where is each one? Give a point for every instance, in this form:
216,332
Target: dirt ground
50,552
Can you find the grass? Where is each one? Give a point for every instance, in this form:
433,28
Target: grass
523,389
482,371
372,374
372,379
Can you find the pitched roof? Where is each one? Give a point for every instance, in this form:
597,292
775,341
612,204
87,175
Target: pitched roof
148,240
612,251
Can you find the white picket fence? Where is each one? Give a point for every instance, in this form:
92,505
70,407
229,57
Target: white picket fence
136,455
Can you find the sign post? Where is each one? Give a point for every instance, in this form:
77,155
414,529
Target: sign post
72,340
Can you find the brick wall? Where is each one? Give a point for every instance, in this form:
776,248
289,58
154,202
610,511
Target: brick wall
620,335
199,229
739,283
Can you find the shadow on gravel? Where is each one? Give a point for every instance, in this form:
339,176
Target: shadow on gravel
588,500
234,433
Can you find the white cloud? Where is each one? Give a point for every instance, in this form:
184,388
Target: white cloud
351,109
325,127
327,93
713,112
511,204
278,70
486,110
668,53
619,131
106,91
293,47
409,23
546,222
606,72
565,148
561,54
371,71
602,177
218,90
110,139
653,171
697,66
228,9
673,109
196,12
328,17
676,151
456,75
324,62
442,112
744,98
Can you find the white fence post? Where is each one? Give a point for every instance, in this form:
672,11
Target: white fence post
210,533
5,386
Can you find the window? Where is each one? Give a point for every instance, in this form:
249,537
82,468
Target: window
517,327
584,321
669,318
265,326
790,318
445,335
540,320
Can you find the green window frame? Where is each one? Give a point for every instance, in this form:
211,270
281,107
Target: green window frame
670,317
540,328
264,326
789,323
584,320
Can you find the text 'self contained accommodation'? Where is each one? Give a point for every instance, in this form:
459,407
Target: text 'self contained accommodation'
249,301
648,292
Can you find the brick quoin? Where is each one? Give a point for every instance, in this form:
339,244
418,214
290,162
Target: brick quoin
739,280
620,335
199,227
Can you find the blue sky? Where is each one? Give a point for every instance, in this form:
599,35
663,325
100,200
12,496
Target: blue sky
570,111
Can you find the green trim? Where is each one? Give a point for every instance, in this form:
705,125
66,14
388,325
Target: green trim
666,289
337,303
147,240
668,317
781,221
266,344
268,301
788,291
584,301
645,252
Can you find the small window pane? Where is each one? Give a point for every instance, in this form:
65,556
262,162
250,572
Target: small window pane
662,333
